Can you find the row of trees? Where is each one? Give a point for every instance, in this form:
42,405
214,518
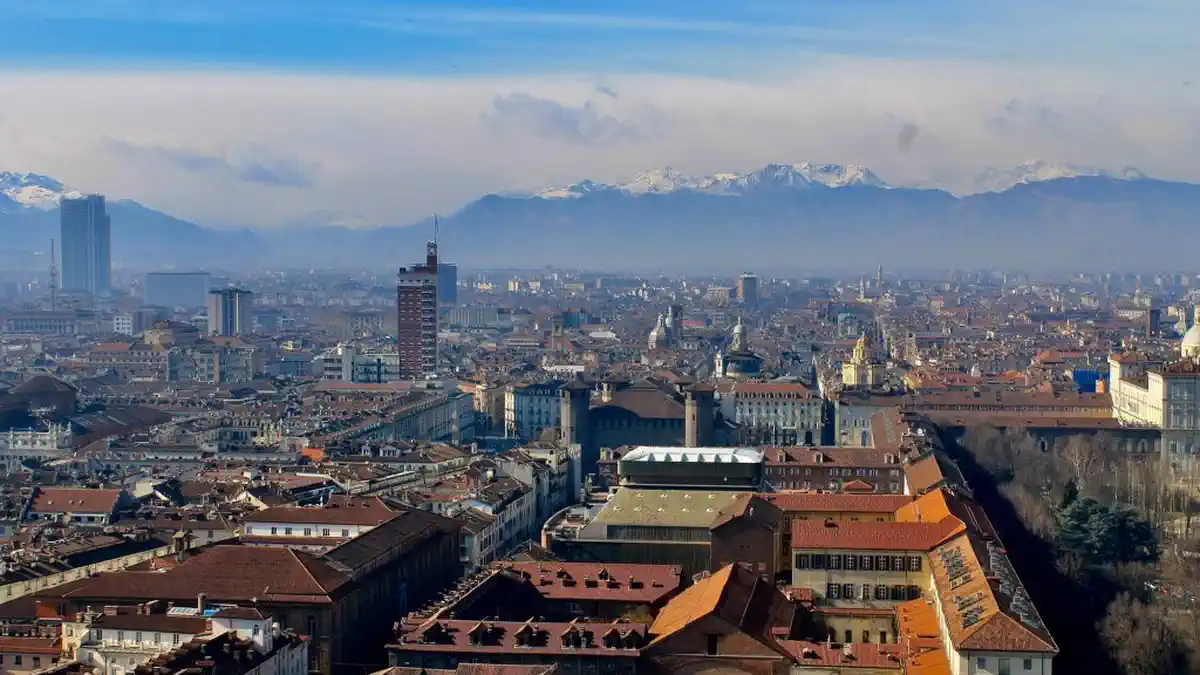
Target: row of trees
1101,514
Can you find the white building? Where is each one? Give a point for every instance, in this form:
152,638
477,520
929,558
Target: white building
531,408
41,446
319,528
1146,392
776,413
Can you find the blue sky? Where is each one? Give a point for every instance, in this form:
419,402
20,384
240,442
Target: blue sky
370,111
476,36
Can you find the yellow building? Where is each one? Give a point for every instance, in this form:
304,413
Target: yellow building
862,370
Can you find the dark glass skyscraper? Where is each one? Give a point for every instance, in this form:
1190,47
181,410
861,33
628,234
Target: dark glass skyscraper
86,245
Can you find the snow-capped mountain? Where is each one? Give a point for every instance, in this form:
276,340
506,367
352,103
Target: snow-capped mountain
31,190
668,180
999,180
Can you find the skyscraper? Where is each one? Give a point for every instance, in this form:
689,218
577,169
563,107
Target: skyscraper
86,249
447,284
229,312
416,315
747,289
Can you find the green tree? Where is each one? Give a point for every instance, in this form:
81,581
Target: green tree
1097,534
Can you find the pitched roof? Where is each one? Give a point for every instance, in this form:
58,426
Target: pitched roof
611,582
978,616
871,536
836,502
736,595
678,508
225,573
923,474
362,511
74,500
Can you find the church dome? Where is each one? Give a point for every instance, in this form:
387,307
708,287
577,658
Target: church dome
1190,347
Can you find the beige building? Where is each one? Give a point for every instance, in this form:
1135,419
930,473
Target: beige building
1146,392
862,370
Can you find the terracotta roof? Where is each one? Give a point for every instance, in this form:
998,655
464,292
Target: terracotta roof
790,388
975,613
166,623
835,502
920,638
871,536
226,573
363,511
858,485
873,656
74,500
30,645
502,637
831,456
739,597
611,582
923,474
693,604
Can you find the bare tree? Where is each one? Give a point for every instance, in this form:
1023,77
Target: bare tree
1086,460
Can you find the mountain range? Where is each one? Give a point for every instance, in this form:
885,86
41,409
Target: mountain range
783,217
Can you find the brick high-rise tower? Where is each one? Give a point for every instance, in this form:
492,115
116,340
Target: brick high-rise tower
417,315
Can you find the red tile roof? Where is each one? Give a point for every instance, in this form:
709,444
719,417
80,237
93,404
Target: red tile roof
74,500
834,502
226,573
611,582
871,536
30,645
866,655
363,511
501,637
831,457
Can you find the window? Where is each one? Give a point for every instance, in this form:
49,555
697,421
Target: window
37,662
120,636
881,592
866,636
851,562
325,532
308,531
801,561
833,591
981,663
848,591
1027,664
287,531
898,563
256,630
1004,667
883,637
158,638
137,636
345,533
312,626
274,530
99,634
835,562
818,561
710,646
914,563
884,563
175,639
849,636
17,660
868,562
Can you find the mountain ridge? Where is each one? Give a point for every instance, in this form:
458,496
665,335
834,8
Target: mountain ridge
783,216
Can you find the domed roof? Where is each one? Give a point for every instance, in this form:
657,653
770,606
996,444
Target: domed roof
41,384
1191,341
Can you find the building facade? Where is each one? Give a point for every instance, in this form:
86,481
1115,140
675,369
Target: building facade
229,312
86,245
417,316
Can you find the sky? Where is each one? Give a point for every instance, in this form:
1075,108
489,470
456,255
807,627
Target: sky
266,113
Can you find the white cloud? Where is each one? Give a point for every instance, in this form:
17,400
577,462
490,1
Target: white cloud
264,149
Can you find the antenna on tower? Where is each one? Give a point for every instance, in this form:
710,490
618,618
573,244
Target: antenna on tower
435,228
53,278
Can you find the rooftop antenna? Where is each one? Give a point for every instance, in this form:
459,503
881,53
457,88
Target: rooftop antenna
53,278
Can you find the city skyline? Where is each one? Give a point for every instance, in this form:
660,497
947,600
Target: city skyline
296,116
